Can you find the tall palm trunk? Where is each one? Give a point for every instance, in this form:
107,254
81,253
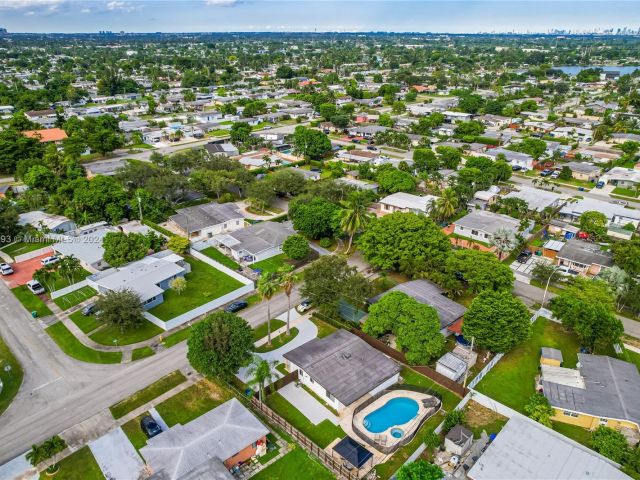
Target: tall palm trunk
288,312
269,322
350,242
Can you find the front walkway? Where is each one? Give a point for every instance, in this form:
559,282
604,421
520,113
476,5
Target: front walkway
307,404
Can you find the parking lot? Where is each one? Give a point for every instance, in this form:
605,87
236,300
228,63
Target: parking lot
525,268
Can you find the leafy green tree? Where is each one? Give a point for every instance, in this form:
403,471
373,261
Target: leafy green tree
121,308
178,285
415,325
425,160
327,110
539,409
285,71
121,248
452,418
627,255
479,270
447,204
317,219
472,128
498,321
220,344
405,242
14,146
296,247
312,144
586,307
392,180
355,215
420,470
449,157
610,443
594,223
179,244
240,132
9,228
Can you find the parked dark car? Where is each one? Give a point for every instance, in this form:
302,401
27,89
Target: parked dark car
516,168
236,306
372,148
524,256
546,172
89,309
149,426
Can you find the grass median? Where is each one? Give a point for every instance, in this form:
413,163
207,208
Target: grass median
70,345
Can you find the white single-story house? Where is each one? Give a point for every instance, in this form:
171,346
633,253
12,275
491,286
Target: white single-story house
207,220
536,199
149,277
256,242
515,159
407,202
482,224
342,368
46,221
616,214
622,177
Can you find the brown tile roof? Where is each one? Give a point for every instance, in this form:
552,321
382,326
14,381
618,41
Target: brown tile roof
47,134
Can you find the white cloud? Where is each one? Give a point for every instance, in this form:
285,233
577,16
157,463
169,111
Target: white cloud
30,4
86,10
220,2
117,6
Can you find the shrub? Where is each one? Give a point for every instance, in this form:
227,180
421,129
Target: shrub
178,244
325,242
452,418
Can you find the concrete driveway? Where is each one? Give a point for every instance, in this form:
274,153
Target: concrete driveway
525,268
116,456
308,406
23,271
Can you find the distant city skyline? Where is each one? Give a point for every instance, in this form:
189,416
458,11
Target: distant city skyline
451,16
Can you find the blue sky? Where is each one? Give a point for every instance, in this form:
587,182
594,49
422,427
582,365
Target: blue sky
456,16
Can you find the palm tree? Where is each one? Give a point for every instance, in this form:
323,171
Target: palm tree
261,373
503,240
288,280
447,204
354,216
268,285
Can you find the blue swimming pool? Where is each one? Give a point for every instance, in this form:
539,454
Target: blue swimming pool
396,411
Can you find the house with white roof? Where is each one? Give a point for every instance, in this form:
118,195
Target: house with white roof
536,199
407,202
622,177
482,225
256,242
149,277
616,214
46,221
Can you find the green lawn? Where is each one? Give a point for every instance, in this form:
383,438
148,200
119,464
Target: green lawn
270,265
322,434
261,330
324,329
62,281
134,432
295,464
627,192
411,377
579,434
279,341
204,283
218,256
140,353
177,337
70,345
11,379
86,324
193,402
107,334
20,248
74,298
147,394
511,381
31,302
80,465
271,453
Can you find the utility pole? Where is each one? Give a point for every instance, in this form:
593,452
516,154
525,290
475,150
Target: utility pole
139,207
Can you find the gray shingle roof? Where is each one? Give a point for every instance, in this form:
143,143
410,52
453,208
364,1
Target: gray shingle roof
202,216
585,253
344,365
551,353
258,237
612,389
218,434
428,293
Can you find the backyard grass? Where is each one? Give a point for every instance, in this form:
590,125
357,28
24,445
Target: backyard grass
111,334
387,469
134,432
31,302
261,330
324,329
80,465
20,248
279,341
86,324
578,434
204,283
147,394
295,464
511,381
322,434
140,353
193,402
74,298
282,369
220,257
70,345
271,453
10,379
411,377
270,265
479,418
61,281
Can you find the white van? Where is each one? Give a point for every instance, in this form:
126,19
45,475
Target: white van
49,260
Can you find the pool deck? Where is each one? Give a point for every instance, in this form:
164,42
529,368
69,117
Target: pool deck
385,438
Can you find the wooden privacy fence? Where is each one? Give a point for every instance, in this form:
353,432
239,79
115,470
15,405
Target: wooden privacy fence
336,466
455,387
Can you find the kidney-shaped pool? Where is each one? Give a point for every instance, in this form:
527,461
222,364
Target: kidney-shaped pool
396,411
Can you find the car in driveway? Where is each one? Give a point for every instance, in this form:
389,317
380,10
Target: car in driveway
524,256
35,287
89,309
236,306
5,269
150,427
304,306
546,172
49,260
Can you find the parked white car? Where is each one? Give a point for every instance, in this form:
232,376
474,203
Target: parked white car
49,260
5,269
35,287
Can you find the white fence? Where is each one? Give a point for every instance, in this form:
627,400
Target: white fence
201,310
69,289
485,370
218,266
